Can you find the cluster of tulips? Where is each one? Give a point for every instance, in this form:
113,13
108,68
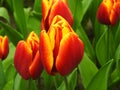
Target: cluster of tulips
58,49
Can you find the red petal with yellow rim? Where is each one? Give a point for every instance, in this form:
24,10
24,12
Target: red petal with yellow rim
23,59
70,53
46,52
36,67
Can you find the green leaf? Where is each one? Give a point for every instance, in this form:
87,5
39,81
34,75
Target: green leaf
9,75
2,78
12,34
88,47
105,47
19,83
48,81
100,80
20,16
87,70
38,6
72,79
4,14
79,8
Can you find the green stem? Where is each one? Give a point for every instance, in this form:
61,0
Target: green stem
28,85
66,83
40,84
108,49
79,81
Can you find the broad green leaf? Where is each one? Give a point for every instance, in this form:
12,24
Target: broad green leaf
9,76
20,16
100,80
88,47
12,34
33,24
48,81
2,76
105,47
87,70
58,80
72,79
19,83
8,85
38,6
117,35
79,8
4,14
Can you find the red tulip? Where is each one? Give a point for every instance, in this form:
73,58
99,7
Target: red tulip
51,8
108,12
27,58
4,47
61,49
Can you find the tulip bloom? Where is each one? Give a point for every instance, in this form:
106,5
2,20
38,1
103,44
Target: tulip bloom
51,8
61,49
27,58
108,12
4,47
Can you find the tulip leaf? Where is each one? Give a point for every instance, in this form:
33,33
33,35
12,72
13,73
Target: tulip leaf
48,81
105,47
87,70
72,79
4,14
20,16
79,8
12,34
100,80
19,83
88,47
9,75
2,78
37,6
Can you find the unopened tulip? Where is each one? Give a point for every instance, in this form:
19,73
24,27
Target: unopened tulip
27,57
4,47
108,12
61,49
51,8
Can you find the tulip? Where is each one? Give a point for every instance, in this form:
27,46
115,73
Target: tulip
61,49
4,47
108,12
27,57
51,8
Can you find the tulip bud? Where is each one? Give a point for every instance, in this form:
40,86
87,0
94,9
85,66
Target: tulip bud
108,12
27,57
4,47
61,49
51,8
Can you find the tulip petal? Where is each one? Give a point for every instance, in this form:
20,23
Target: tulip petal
61,8
70,53
36,67
4,47
103,14
23,59
46,52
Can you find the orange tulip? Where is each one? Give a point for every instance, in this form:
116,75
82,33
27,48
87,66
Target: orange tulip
27,58
61,49
108,12
51,8
4,47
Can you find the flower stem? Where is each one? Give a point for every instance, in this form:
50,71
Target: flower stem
108,49
79,85
28,85
40,84
66,83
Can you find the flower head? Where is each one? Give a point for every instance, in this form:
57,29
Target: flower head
51,8
61,49
4,47
108,12
27,57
